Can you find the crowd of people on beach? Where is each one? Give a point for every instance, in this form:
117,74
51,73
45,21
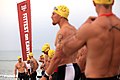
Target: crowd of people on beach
26,70
91,52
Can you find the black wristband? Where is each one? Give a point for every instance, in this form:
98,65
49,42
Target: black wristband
46,76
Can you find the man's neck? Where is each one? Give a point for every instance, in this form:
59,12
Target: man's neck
20,61
63,22
103,10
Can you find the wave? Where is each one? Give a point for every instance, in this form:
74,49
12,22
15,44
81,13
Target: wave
7,76
8,60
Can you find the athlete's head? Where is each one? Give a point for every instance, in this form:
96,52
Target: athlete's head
51,53
30,54
42,56
19,58
99,4
28,59
46,48
58,12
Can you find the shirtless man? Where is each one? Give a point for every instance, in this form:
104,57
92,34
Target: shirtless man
67,70
34,66
102,39
41,59
21,67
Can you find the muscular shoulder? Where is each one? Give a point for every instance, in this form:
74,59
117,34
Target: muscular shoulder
16,64
24,63
34,60
89,30
116,21
65,32
84,31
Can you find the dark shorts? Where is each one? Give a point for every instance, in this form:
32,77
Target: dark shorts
82,76
118,77
107,78
54,76
71,71
33,75
21,76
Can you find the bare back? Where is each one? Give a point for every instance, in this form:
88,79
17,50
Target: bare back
102,44
115,63
100,48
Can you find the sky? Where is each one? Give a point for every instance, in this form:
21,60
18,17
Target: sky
42,29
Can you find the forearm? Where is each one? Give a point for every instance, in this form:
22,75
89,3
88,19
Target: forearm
70,46
15,72
53,65
74,43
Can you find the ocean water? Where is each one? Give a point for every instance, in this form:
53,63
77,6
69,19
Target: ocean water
8,59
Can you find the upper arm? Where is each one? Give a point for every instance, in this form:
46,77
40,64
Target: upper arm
59,37
15,68
76,41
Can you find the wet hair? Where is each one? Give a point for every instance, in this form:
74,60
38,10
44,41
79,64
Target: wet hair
107,6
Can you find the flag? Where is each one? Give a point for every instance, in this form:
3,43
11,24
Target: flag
24,19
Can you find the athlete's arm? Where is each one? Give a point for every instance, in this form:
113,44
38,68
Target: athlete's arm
75,42
15,71
55,61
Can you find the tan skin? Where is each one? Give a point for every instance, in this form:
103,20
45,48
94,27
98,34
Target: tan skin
20,66
65,30
47,65
115,63
34,63
81,58
46,59
103,45
102,42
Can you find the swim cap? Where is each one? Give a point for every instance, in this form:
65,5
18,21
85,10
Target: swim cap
103,1
42,56
62,10
19,57
28,58
51,53
30,54
46,47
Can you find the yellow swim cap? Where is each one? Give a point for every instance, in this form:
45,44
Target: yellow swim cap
62,10
42,56
46,47
51,53
19,57
28,58
103,1
30,54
